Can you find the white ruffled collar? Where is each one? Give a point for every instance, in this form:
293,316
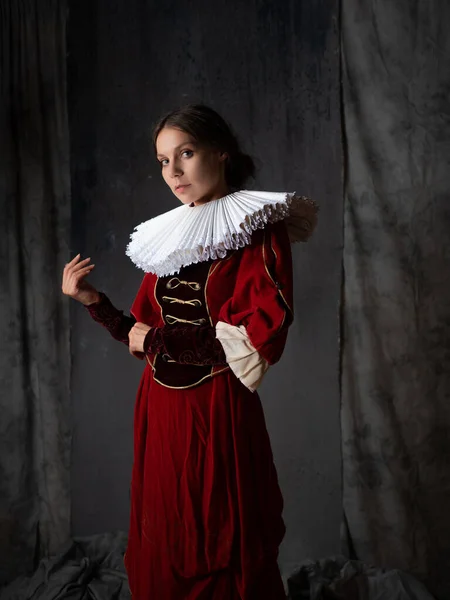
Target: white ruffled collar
186,235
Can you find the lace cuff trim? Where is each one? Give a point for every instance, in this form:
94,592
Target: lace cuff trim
244,360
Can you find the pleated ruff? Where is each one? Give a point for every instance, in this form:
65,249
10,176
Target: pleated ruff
206,508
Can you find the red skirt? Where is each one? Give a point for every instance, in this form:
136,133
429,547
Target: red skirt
206,508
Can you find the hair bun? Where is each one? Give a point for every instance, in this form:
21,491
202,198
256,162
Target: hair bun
240,167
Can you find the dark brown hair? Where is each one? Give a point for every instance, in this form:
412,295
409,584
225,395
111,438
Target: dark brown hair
206,126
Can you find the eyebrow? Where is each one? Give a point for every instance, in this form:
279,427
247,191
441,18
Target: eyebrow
180,146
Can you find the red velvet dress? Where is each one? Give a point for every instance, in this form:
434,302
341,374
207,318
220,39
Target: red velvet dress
206,508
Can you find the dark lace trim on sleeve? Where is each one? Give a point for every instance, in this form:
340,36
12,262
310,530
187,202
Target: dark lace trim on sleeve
153,342
186,344
105,313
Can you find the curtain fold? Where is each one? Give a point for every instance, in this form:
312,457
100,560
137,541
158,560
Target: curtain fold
35,432
396,346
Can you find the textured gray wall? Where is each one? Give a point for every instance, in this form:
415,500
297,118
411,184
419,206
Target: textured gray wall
272,69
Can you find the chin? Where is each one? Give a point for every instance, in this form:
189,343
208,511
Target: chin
187,198
194,198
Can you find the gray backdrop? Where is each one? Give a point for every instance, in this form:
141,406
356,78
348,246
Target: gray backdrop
396,383
272,69
35,428
276,79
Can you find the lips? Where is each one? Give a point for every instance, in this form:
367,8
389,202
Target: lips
182,186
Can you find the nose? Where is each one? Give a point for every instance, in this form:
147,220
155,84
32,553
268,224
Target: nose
174,169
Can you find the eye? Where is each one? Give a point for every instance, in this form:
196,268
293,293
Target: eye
163,162
189,153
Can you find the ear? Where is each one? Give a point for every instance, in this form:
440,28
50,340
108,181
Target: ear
223,156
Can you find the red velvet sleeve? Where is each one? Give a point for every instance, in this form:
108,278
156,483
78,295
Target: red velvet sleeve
105,313
263,299
183,343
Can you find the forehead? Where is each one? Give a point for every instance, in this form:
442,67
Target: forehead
170,139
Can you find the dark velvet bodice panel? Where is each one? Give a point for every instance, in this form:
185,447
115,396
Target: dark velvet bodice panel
183,301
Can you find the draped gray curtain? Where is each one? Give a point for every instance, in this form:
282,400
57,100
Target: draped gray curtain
396,313
34,325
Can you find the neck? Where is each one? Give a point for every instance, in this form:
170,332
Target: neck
221,191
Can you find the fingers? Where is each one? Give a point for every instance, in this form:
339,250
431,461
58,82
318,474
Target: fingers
76,264
71,281
73,261
137,335
141,326
83,272
77,276
139,355
133,349
80,265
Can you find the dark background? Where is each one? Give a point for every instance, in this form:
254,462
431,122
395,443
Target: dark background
272,70
347,104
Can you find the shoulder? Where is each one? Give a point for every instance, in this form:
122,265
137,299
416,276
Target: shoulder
271,236
278,230
148,282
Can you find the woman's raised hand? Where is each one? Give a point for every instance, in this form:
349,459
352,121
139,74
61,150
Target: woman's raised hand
74,283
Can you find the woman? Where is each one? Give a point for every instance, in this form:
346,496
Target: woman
211,315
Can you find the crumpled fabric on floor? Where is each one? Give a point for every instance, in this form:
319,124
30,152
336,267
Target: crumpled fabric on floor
89,568
342,579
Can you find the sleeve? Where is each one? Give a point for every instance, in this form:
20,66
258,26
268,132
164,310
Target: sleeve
253,324
105,313
186,344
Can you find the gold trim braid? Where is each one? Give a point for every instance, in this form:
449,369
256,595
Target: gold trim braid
272,279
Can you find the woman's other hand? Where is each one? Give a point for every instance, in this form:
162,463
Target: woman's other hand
74,283
136,339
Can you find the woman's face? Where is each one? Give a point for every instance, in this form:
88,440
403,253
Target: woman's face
194,172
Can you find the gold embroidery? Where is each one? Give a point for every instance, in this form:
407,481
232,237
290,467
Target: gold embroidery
172,284
157,301
151,364
175,282
211,270
168,360
186,387
183,387
279,291
170,300
272,279
171,320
